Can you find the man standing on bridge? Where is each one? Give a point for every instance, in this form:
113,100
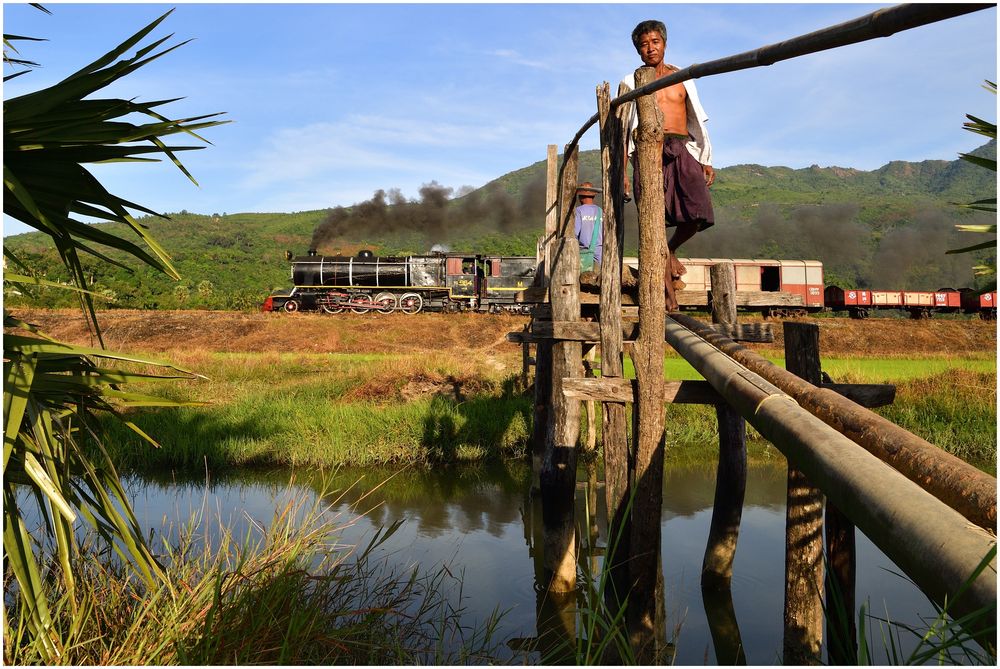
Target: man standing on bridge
687,151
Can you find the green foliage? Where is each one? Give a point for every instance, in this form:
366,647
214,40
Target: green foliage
987,129
53,392
242,255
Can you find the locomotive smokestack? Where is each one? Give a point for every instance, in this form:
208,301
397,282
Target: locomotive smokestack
312,251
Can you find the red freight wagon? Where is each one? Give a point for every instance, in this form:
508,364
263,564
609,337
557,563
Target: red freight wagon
947,299
984,304
856,301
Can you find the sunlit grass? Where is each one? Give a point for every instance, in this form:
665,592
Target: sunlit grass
285,594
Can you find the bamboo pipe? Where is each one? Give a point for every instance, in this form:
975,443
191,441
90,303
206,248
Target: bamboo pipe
971,492
929,541
880,23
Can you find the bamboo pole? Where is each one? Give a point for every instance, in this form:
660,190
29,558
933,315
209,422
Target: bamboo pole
880,23
648,359
928,540
803,608
731,474
971,492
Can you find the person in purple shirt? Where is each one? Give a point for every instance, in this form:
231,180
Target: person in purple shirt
587,224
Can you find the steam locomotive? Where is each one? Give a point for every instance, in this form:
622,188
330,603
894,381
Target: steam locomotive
494,283
410,284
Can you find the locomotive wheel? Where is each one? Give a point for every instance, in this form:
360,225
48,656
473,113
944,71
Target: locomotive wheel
291,306
385,303
411,303
332,309
361,300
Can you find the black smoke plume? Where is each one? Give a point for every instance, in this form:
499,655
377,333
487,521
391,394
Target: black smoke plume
439,214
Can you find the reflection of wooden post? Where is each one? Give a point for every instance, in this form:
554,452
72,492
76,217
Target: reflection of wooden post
648,358
731,475
558,475
841,628
803,637
614,437
723,626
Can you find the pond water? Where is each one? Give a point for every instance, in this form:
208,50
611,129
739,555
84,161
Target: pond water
481,522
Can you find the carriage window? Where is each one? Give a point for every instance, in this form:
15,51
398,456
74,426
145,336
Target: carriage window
468,266
770,279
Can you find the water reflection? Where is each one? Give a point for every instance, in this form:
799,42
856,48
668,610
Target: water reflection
482,522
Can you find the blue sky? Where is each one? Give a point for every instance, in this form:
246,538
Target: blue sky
330,102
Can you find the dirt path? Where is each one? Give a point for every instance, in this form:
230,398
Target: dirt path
477,333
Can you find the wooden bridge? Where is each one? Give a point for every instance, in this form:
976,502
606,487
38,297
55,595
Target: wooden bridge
931,513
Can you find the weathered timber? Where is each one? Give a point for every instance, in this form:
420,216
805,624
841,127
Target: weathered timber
616,389
647,357
589,331
929,541
841,570
760,333
731,472
551,216
590,446
803,611
614,436
870,395
971,492
558,475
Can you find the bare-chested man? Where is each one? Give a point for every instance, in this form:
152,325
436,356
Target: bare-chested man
687,152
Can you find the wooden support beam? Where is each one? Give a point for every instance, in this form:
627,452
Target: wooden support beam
615,389
648,360
731,473
803,612
590,331
614,435
558,475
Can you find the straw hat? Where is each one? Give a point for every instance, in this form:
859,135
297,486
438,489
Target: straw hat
587,188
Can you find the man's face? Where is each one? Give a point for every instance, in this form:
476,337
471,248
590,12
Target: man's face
651,48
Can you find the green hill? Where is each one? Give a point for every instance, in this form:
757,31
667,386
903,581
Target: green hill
885,228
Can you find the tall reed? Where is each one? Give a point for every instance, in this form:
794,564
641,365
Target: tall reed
283,594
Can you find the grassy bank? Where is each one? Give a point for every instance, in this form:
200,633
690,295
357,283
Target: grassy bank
290,594
339,409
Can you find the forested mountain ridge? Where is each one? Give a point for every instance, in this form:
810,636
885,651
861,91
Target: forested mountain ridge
887,227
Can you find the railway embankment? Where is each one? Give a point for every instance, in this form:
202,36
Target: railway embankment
364,389
228,331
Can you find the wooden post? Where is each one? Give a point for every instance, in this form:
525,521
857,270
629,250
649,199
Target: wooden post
591,445
543,349
648,358
558,475
551,207
803,614
731,475
614,437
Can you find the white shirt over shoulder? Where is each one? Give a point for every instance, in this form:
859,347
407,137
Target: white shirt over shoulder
698,146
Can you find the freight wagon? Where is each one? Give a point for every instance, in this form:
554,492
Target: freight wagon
861,302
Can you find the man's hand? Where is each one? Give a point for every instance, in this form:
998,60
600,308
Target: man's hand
709,175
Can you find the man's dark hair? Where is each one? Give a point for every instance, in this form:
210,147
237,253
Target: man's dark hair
650,26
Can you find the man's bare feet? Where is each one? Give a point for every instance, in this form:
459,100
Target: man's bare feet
677,268
670,296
